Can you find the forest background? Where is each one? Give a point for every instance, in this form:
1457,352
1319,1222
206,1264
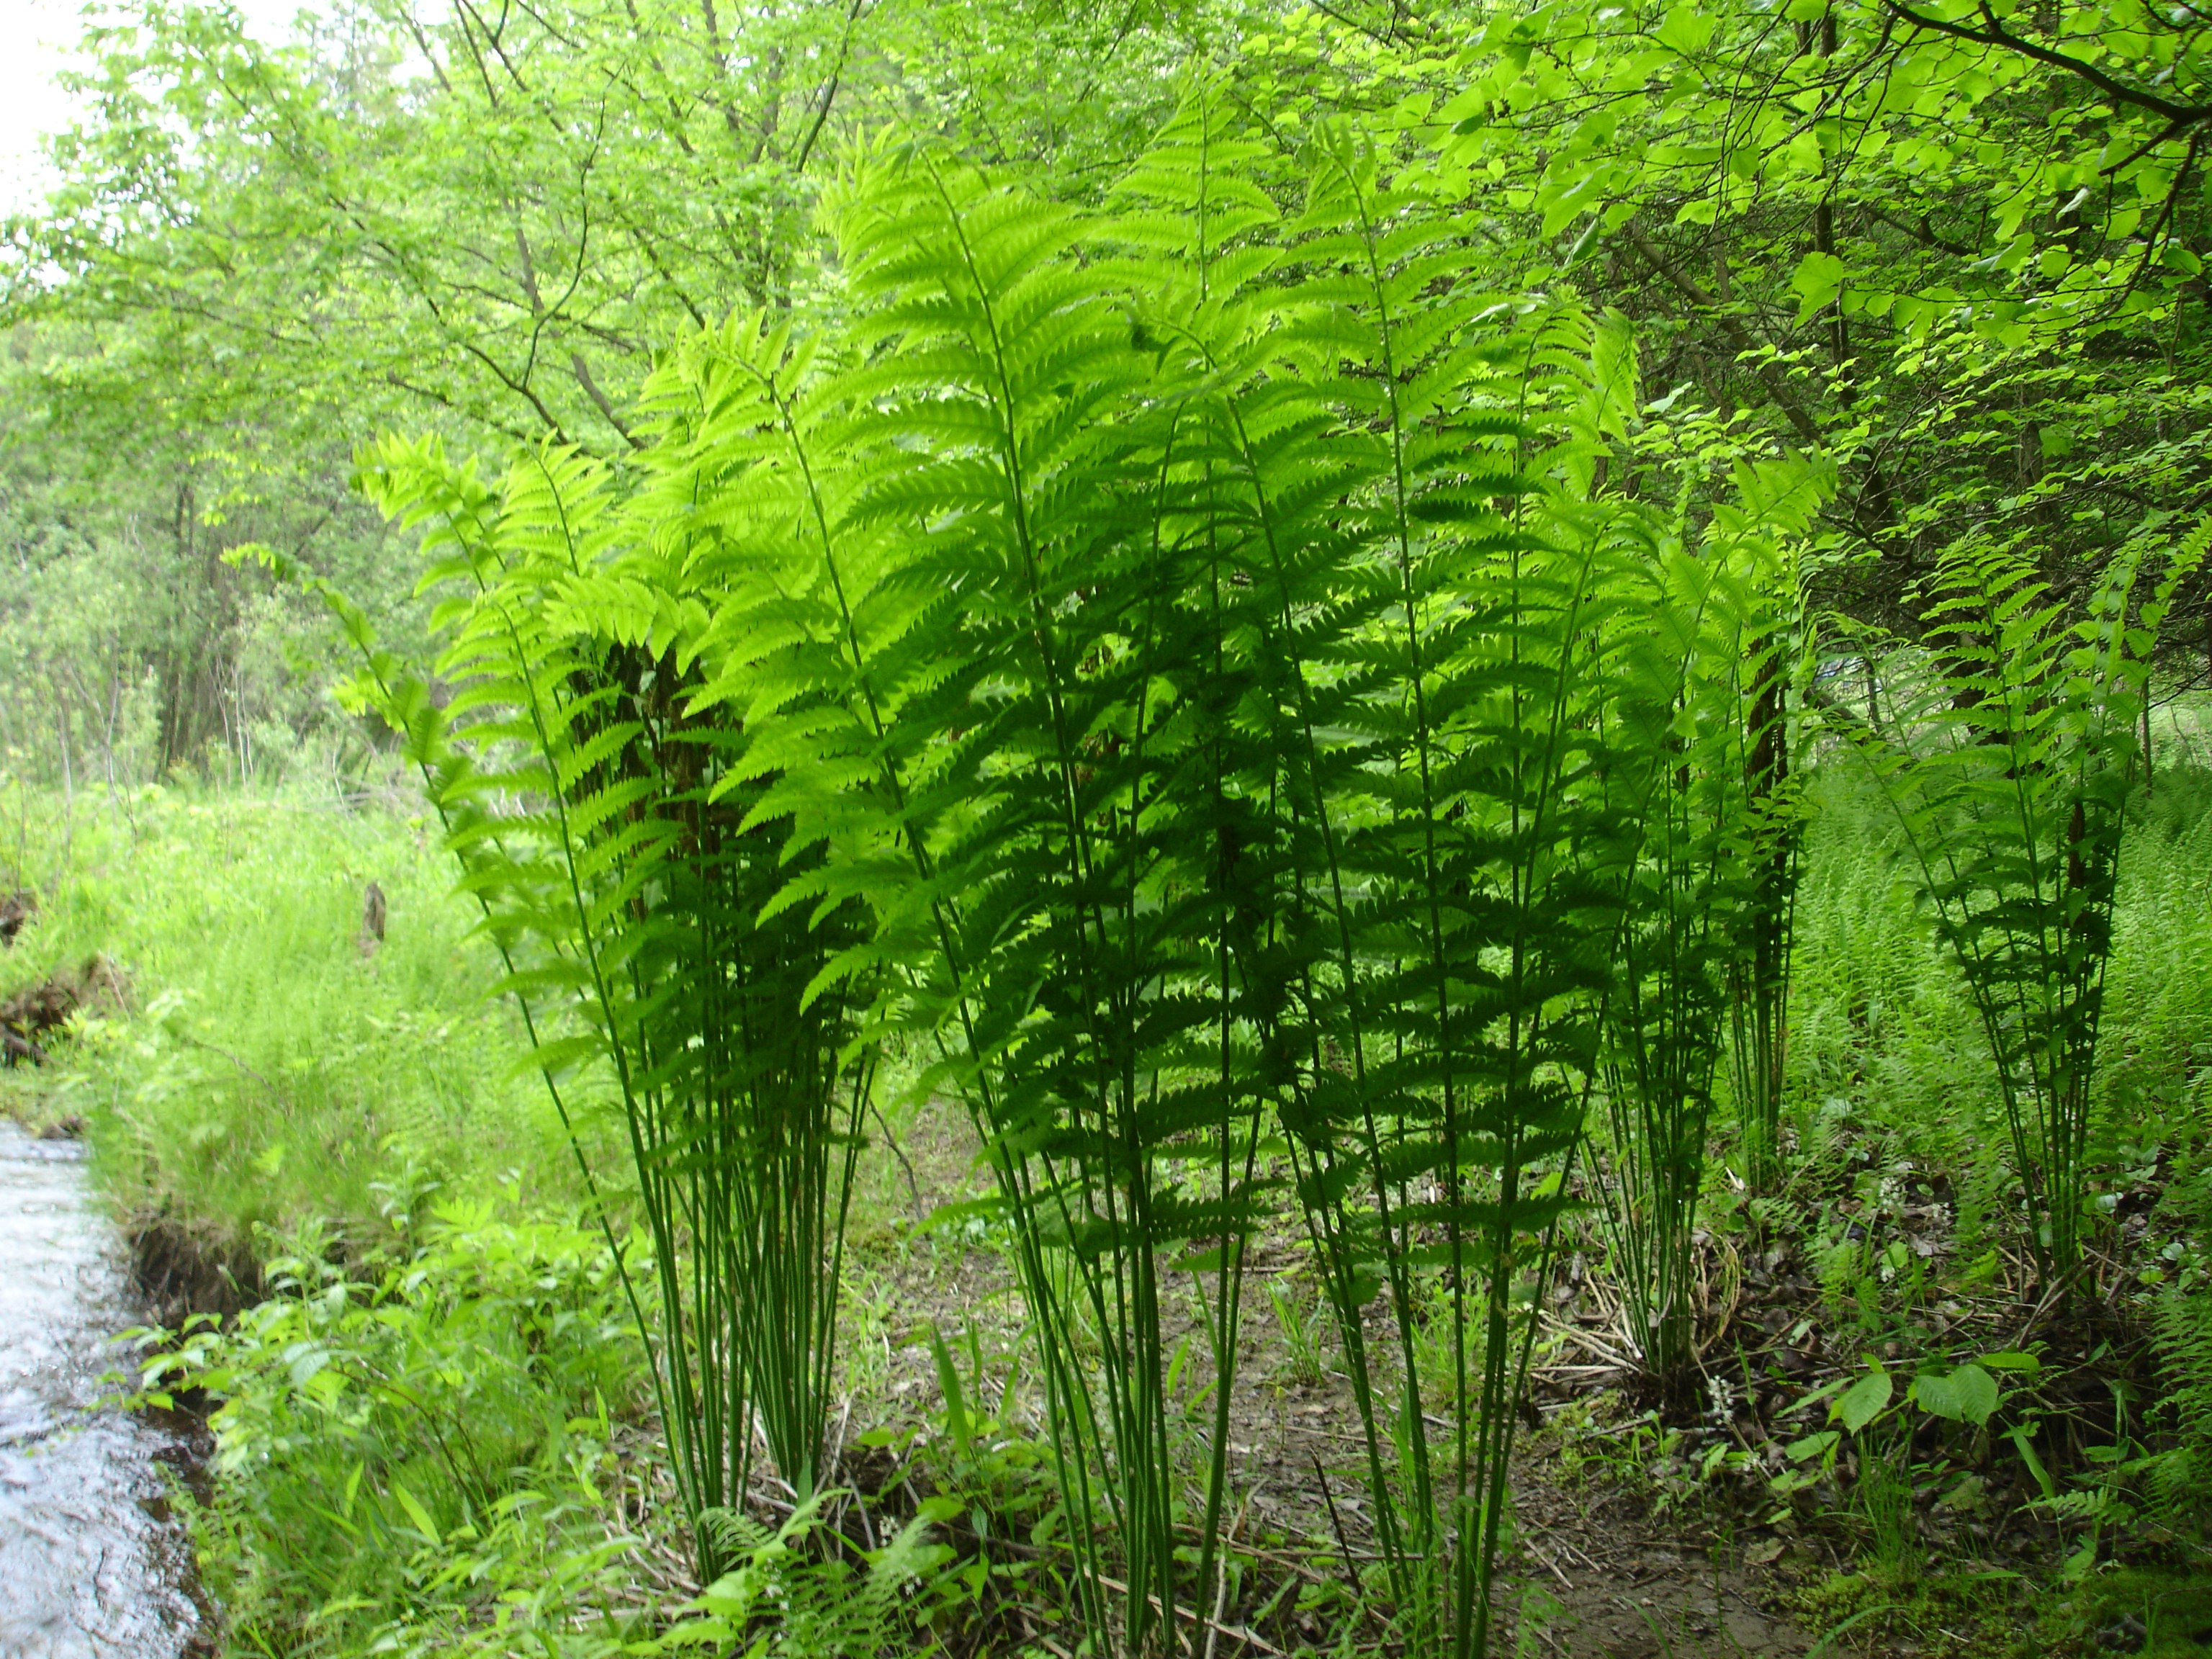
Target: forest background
1955,259
1956,251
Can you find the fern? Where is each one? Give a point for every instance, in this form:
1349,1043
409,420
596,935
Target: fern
587,804
2182,1473
970,739
1693,758
785,1597
1164,661
1432,933
2008,753
1133,803
1772,511
1095,845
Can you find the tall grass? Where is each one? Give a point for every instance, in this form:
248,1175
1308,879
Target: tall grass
265,1071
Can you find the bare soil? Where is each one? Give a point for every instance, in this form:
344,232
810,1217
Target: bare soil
1624,1547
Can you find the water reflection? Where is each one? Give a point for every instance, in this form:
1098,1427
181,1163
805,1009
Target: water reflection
87,1564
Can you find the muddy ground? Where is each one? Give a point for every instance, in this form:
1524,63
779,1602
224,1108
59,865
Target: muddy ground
1624,1547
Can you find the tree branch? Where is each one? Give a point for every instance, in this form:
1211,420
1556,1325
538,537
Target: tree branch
2183,116
1807,428
606,407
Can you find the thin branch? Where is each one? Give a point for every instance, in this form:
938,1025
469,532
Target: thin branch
606,407
2183,115
1806,427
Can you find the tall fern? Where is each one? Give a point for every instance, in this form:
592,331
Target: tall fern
1182,659
1436,586
2009,759
1695,728
1762,525
631,887
957,640
1162,662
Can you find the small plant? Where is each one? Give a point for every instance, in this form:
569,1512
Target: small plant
1302,1334
1881,1503
791,1594
400,1448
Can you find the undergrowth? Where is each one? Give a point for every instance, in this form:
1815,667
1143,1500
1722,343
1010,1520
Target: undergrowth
418,1455
430,1412
431,1425
269,1065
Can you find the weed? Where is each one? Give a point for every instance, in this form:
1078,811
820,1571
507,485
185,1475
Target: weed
1303,1334
1881,1503
415,1455
262,1071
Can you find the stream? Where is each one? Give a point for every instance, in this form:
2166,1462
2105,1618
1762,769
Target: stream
90,1562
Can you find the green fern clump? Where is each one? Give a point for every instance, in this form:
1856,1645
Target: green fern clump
2161,951
614,837
1178,665
2182,1474
2009,751
787,1598
1696,781
2176,1474
1149,639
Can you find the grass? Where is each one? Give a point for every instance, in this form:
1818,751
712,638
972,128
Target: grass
421,1454
430,1408
2171,1611
268,1070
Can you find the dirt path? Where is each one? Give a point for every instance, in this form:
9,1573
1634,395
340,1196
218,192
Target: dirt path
1599,1577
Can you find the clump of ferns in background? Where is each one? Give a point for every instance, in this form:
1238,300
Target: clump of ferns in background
2009,745
1694,772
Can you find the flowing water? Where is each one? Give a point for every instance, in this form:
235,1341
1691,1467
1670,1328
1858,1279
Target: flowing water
89,1561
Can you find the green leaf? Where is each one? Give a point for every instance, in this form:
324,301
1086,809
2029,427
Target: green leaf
305,1361
416,1513
2022,1435
1686,28
1813,1445
1819,279
1968,1394
1864,1401
956,1396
